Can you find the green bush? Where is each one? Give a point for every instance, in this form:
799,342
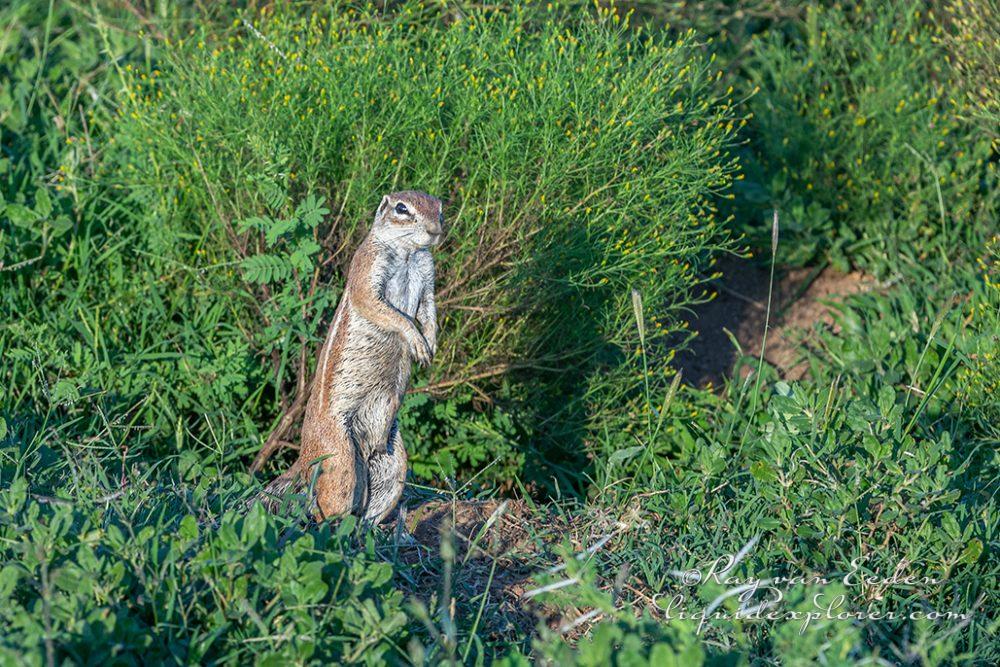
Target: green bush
42,101
108,332
859,140
973,40
140,581
578,161
625,640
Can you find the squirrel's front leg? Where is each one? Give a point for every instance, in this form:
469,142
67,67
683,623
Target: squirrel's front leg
426,308
366,286
427,316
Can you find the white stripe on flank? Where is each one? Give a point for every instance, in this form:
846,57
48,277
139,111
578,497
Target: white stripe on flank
326,350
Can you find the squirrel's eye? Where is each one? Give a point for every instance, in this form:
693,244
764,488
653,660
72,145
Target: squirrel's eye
401,209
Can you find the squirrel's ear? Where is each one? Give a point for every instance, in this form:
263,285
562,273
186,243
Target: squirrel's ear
383,206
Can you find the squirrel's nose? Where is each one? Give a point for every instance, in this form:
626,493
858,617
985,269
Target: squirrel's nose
434,228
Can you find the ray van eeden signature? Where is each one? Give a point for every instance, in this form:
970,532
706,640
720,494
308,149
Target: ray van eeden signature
760,597
719,572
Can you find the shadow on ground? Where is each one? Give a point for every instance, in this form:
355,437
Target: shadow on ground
801,298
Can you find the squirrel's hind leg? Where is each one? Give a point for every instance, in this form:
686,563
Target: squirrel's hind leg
342,485
387,475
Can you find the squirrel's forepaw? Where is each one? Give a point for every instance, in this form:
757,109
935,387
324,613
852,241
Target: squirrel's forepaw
419,350
424,355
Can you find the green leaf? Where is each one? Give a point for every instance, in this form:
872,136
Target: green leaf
265,268
188,529
311,211
17,494
257,223
308,246
278,229
782,388
274,194
61,225
8,580
624,454
762,471
20,216
65,391
301,259
43,203
973,550
254,524
886,399
950,526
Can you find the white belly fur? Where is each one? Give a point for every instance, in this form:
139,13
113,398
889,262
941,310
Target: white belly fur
403,289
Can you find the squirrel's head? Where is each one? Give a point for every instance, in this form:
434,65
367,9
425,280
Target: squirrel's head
409,218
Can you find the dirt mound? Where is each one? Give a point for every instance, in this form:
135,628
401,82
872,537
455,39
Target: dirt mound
497,548
493,526
801,298
495,554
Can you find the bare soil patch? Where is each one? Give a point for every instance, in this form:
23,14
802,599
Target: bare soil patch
496,550
499,547
801,298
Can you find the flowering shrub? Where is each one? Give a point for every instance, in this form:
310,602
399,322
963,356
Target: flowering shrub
860,140
578,160
973,40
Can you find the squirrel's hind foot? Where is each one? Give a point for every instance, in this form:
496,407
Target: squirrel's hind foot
286,490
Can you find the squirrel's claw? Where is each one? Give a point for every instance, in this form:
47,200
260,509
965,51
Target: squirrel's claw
420,350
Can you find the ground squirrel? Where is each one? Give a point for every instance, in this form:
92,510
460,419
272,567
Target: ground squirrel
363,369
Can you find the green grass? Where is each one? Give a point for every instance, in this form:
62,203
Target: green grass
181,191
861,138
